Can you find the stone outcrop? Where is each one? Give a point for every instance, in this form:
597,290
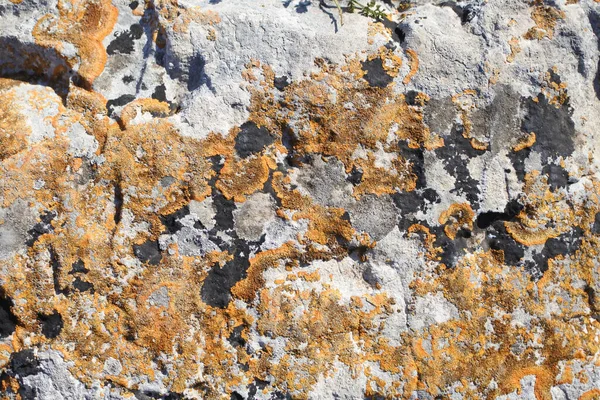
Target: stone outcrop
228,199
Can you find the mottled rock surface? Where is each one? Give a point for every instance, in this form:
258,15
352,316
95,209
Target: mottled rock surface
248,199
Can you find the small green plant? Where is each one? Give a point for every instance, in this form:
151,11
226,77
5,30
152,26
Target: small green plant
371,9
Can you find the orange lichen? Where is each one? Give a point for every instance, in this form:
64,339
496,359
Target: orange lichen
458,216
515,48
84,24
525,142
414,66
545,18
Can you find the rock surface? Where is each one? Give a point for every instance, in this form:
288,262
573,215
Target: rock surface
228,199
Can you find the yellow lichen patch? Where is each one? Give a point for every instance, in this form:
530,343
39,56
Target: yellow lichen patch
546,213
14,131
555,91
323,331
414,66
525,142
485,344
84,24
545,18
238,179
249,287
515,48
335,114
383,179
458,216
593,394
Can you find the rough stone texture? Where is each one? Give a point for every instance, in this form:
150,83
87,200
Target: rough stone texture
227,199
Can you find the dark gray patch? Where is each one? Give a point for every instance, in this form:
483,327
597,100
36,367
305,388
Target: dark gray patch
134,4
252,139
596,225
24,363
148,252
565,244
123,42
160,93
498,121
24,61
127,79
118,202
355,176
82,286
41,228
281,82
557,176
416,158
439,115
486,219
235,338
517,158
119,102
8,320
216,288
171,221
499,239
78,267
455,154
376,74
56,267
302,7
51,324
594,18
553,127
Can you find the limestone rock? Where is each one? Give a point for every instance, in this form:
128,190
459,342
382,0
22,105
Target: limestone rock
227,199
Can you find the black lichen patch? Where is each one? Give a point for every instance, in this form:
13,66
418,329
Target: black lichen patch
517,158
455,154
498,238
8,320
82,286
557,176
119,102
553,127
52,324
486,219
281,82
594,18
596,225
128,79
355,176
216,290
252,139
24,363
160,93
78,266
171,221
236,338
563,245
148,252
123,42
41,228
376,75
134,4
416,158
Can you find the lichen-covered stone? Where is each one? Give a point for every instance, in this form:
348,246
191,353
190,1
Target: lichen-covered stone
253,200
